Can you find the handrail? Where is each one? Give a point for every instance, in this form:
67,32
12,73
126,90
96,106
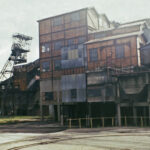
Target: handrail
102,120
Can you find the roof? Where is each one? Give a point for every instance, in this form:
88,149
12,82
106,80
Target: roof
114,37
141,21
87,8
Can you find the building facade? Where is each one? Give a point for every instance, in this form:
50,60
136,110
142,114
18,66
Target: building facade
83,62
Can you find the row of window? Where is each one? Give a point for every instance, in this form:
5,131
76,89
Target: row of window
46,65
97,92
73,17
50,96
59,44
93,53
90,93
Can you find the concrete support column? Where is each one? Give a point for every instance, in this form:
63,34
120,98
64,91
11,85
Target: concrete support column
41,106
135,115
144,115
58,106
118,106
119,114
90,110
89,114
62,116
51,111
149,113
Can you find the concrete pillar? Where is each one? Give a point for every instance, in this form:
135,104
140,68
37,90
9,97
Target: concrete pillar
118,106
90,110
41,107
144,115
89,114
61,115
135,115
119,114
51,111
149,113
58,106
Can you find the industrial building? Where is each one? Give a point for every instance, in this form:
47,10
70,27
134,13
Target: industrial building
92,67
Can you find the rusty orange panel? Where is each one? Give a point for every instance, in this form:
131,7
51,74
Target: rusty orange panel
45,27
127,50
58,35
45,38
134,61
45,75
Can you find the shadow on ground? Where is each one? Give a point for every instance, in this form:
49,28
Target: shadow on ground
31,127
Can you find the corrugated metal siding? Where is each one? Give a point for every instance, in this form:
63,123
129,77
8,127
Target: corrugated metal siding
81,96
69,82
48,86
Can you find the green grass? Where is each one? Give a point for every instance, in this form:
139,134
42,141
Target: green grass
16,119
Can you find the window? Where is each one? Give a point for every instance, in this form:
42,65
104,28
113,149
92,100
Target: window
75,16
119,51
57,64
70,41
93,54
48,95
73,54
57,21
73,93
45,47
58,45
81,40
45,66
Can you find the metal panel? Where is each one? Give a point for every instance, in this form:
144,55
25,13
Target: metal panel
73,82
70,82
46,85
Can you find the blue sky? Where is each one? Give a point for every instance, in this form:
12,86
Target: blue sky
22,15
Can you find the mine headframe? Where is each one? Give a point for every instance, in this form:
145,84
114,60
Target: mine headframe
20,48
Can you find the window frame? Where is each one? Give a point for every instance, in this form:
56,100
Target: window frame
42,66
58,21
49,96
45,47
58,47
120,51
75,16
57,67
73,93
91,55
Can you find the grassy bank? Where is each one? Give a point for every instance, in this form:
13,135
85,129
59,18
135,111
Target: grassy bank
17,119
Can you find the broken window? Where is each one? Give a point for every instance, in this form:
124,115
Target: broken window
45,66
73,93
57,64
75,16
94,92
57,21
70,41
81,40
119,51
45,47
93,54
48,96
58,45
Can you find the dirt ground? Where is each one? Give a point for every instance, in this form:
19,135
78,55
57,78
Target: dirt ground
43,136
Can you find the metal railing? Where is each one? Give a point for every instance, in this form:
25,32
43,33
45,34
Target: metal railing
108,122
